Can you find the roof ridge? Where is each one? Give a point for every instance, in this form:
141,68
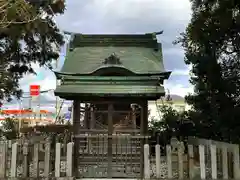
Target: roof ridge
143,40
115,37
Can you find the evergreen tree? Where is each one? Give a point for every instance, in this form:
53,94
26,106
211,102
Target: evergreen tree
28,34
212,48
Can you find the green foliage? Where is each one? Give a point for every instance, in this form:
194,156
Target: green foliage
212,48
167,121
180,124
173,123
9,129
35,41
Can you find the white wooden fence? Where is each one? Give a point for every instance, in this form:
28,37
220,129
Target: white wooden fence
11,152
188,164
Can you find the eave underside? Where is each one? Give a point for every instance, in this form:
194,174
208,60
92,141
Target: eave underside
110,87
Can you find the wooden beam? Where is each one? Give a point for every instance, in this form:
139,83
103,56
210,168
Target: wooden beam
143,131
93,118
76,125
110,132
76,113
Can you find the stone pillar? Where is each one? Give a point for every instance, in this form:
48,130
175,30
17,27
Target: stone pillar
76,126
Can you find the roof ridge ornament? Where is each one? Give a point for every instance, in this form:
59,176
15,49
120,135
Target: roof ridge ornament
112,59
154,34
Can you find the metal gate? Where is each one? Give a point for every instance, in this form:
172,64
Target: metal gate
110,156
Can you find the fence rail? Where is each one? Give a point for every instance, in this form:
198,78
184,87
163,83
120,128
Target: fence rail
211,161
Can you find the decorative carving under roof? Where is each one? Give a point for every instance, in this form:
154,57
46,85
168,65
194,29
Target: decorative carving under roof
112,59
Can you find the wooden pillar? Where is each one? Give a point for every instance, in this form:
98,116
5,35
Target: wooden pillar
86,117
143,131
93,119
76,113
76,125
91,123
134,117
110,132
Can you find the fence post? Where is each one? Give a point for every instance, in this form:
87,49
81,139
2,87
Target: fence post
47,159
236,161
57,159
26,160
169,161
146,162
36,160
213,150
69,159
190,161
3,159
180,160
158,160
14,160
225,161
10,144
202,161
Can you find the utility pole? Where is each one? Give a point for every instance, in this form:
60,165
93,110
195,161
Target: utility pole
39,107
57,98
35,93
20,117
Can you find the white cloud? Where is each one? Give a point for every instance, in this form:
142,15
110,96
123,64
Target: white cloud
114,16
178,89
181,72
44,77
179,10
175,50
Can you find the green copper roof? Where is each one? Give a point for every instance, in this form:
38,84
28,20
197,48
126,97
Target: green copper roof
85,60
112,66
139,53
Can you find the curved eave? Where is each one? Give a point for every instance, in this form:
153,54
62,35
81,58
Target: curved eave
62,75
105,97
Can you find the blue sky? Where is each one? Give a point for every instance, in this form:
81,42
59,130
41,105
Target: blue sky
126,16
